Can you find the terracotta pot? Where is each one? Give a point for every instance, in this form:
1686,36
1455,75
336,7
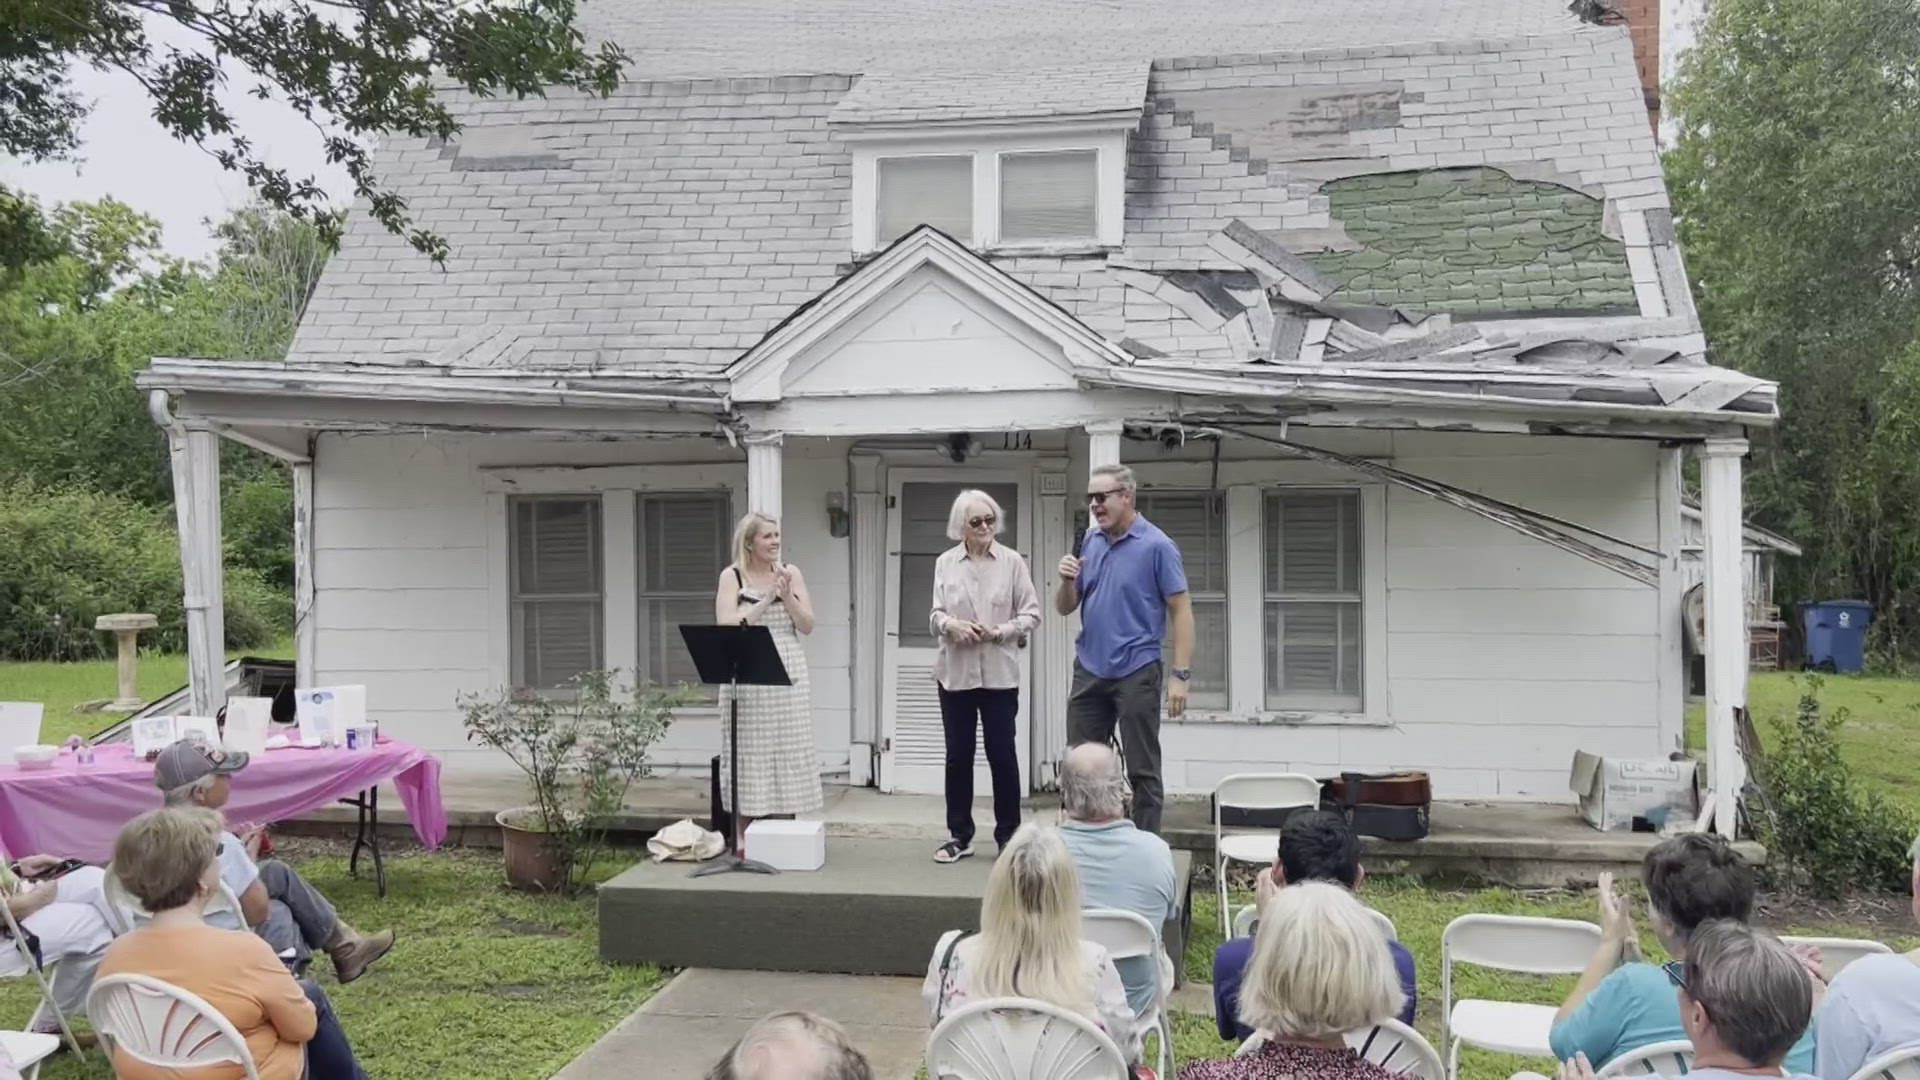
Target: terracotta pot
533,862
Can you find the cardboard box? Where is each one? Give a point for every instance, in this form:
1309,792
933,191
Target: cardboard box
788,845
1614,791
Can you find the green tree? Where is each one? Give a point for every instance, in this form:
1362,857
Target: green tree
1796,175
353,69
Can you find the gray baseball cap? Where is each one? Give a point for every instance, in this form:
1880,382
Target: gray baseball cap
189,760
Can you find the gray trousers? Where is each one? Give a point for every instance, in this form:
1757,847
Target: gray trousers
298,917
1096,707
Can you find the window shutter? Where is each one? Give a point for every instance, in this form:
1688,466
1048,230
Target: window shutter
1049,196
914,191
556,589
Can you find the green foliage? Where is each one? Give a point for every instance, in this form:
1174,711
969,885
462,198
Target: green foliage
1796,175
1823,833
581,748
68,556
350,69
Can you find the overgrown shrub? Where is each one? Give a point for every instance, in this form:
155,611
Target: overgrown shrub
1824,833
69,556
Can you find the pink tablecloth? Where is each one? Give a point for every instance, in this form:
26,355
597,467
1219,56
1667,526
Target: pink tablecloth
76,810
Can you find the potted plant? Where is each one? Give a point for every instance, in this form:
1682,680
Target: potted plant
581,748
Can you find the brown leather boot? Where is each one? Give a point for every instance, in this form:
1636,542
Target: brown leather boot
353,951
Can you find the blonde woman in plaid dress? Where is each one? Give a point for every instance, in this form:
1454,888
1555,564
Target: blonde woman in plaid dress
779,768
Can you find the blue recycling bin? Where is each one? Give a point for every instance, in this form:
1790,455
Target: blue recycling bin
1837,634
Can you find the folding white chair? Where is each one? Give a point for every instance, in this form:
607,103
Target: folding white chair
1671,1058
1021,1039
1389,1044
1837,952
28,1049
163,1025
1507,943
1248,796
126,912
1127,935
1893,1065
1244,919
45,977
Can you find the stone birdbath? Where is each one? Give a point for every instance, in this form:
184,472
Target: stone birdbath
126,628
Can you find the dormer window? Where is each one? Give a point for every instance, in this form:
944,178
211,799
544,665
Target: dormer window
1049,196
935,189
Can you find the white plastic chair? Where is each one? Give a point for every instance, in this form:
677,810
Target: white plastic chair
1892,1065
1249,844
1021,1039
1244,919
1507,943
28,1049
1837,952
44,976
1126,935
1389,1044
1671,1058
126,912
163,1025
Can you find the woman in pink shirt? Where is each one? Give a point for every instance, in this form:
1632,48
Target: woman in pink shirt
984,607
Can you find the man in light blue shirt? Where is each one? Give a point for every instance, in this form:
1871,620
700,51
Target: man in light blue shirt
1130,588
1873,1007
1120,866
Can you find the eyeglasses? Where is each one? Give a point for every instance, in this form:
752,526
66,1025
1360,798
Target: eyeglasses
984,519
1099,498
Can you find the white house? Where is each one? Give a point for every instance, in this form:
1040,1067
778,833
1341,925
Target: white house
1380,300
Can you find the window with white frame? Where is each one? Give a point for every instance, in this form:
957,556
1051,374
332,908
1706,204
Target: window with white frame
682,547
1196,521
555,586
934,190
1049,196
1313,599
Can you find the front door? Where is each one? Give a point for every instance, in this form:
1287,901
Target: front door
913,747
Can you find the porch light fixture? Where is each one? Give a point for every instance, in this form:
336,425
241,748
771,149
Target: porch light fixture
839,524
961,446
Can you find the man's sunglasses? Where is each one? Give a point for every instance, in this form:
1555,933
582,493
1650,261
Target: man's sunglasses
1099,498
984,519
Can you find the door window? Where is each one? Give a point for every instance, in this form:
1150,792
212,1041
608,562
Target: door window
923,510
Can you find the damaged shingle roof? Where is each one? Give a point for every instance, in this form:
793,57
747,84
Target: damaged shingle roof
1114,87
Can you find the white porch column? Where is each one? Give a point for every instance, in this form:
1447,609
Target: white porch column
763,473
305,629
1103,448
196,501
869,613
1721,512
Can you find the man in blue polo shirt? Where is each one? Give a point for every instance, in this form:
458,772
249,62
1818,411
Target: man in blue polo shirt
1128,582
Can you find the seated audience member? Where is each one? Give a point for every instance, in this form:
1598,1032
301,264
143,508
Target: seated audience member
67,918
1320,969
1873,1006
1620,1004
1317,845
1120,866
1744,1000
1029,943
278,903
167,859
793,1046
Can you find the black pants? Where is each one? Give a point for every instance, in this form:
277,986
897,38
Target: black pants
1131,703
993,713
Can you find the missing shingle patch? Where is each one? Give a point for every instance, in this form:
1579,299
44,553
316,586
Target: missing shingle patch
502,148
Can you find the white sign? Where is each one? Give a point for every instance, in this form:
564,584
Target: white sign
325,713
247,722
152,734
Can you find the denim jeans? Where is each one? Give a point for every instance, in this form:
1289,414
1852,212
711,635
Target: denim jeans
329,1055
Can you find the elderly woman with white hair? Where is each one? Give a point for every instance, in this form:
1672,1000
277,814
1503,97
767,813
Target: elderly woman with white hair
984,607
1872,1008
1320,969
1029,944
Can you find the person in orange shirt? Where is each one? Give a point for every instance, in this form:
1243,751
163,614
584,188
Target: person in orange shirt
167,859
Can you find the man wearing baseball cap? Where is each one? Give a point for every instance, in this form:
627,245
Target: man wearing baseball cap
277,902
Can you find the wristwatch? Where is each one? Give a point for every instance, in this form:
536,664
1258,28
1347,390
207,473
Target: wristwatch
1184,674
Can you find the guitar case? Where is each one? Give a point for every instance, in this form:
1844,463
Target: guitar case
1386,806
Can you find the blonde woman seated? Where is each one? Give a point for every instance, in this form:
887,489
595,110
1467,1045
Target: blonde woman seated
1029,944
168,860
1320,969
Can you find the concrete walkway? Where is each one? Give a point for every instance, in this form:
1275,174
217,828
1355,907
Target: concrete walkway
681,1031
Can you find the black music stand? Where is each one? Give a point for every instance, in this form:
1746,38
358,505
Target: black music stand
734,656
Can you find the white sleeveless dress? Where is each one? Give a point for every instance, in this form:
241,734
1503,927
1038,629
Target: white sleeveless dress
779,767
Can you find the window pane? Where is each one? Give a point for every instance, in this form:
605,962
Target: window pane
1313,655
1196,522
1048,196
1313,543
914,191
554,546
1209,687
923,536
683,546
664,659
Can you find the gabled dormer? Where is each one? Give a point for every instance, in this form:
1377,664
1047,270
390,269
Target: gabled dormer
1030,161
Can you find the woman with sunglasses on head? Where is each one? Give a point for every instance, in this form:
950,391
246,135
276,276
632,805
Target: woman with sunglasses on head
984,608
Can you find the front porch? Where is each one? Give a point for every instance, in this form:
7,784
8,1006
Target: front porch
1520,844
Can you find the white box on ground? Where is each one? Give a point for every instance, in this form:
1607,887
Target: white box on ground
1614,791
788,845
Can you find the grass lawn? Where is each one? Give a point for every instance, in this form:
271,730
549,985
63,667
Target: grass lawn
63,687
1882,725
484,982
